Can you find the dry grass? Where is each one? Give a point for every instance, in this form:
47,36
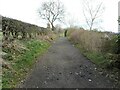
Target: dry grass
100,48
90,40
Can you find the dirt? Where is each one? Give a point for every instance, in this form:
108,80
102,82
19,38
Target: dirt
63,66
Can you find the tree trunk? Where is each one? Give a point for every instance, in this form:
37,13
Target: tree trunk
53,28
91,26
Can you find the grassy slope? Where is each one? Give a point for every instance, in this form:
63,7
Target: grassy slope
23,62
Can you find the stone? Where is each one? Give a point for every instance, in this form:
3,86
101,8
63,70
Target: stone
76,73
89,80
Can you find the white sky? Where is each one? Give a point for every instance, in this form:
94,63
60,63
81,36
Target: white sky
119,8
26,10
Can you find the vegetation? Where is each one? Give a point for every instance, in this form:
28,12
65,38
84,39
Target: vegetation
102,48
92,12
21,59
14,29
52,11
22,44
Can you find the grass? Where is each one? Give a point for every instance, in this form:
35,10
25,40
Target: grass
94,45
22,64
97,58
98,49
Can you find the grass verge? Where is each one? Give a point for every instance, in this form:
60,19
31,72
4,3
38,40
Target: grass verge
97,58
103,63
23,62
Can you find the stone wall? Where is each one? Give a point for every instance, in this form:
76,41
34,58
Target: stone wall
12,29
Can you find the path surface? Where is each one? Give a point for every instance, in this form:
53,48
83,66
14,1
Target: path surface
63,66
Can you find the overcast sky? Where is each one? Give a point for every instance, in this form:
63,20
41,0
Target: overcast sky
119,8
26,10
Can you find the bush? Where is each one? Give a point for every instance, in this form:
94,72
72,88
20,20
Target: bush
100,47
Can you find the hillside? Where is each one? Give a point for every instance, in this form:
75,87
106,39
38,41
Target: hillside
22,44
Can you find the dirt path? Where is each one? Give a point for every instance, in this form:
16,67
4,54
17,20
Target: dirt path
64,67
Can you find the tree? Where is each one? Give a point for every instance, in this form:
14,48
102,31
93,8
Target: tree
52,11
92,11
118,23
119,19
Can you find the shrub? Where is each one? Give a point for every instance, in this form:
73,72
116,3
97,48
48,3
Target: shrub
100,47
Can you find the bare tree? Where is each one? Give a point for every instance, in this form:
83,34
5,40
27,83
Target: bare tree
92,11
119,19
52,11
